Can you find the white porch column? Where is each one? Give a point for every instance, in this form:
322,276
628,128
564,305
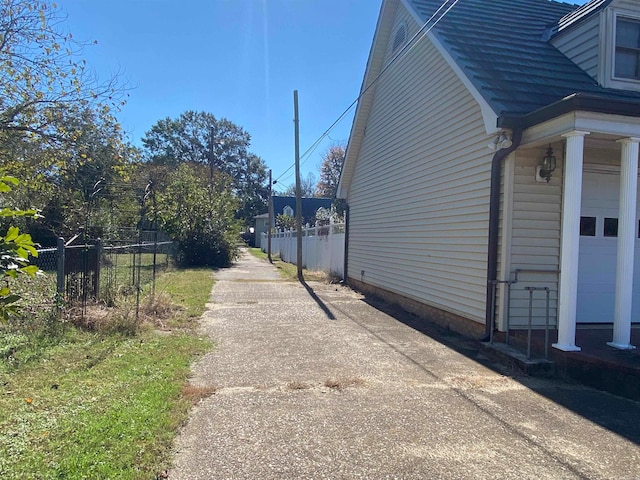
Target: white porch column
626,244
571,204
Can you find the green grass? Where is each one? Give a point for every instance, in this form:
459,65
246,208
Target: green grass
187,290
76,404
125,260
289,271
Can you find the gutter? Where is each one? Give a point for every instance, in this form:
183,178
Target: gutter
494,229
628,106
346,244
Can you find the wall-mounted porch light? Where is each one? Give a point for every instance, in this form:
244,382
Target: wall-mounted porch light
546,167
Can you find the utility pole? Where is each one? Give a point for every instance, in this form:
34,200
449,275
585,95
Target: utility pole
211,155
270,222
298,189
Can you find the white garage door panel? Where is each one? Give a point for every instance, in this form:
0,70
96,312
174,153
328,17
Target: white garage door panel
597,267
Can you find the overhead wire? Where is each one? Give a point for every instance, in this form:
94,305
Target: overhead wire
413,41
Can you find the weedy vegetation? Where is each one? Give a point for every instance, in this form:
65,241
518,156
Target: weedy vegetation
95,399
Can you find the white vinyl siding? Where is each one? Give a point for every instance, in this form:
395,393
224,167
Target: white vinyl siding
419,198
535,237
582,45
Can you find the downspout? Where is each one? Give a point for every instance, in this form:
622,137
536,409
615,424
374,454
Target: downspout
346,244
494,229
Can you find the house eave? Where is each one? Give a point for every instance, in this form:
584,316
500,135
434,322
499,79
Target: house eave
576,102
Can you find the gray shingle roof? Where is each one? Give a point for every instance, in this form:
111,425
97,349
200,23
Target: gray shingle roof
499,45
309,205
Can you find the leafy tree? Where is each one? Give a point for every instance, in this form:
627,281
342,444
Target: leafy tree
15,248
285,222
56,122
330,169
93,176
199,138
335,214
198,214
43,83
307,187
96,181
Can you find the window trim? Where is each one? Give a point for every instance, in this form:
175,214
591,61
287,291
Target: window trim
608,50
619,17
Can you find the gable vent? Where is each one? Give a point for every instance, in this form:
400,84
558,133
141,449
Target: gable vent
400,37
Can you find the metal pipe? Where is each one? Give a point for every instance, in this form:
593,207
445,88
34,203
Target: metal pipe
494,226
546,328
508,316
530,289
517,271
493,318
346,243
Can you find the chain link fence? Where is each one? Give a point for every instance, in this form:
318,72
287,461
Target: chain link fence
82,272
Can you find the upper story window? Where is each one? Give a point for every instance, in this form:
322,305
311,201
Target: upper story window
627,53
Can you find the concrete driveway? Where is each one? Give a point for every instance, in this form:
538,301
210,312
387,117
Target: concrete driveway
316,382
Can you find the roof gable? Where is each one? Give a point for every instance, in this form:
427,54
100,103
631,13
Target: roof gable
309,205
500,50
500,46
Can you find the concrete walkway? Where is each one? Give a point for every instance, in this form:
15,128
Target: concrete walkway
316,382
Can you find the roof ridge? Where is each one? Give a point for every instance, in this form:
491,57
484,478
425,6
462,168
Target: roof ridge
503,49
581,13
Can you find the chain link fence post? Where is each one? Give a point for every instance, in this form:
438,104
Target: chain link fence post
98,267
60,268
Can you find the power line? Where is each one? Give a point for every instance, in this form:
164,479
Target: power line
413,41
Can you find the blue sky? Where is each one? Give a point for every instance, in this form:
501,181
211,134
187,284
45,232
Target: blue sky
237,59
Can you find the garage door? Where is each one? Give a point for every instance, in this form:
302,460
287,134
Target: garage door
598,246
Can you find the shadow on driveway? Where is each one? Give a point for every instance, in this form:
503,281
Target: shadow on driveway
318,300
617,414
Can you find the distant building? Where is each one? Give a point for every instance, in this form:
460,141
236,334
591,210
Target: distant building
287,206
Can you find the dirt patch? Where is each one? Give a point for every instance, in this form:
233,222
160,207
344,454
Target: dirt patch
342,383
195,393
296,385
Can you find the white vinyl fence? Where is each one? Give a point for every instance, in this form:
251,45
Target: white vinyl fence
322,247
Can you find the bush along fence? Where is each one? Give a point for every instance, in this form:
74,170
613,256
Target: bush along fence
94,271
322,247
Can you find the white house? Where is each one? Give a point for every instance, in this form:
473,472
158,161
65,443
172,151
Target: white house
450,206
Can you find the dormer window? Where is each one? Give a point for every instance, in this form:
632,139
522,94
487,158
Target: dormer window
627,56
603,39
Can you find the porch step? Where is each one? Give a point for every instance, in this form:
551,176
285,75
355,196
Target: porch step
508,355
